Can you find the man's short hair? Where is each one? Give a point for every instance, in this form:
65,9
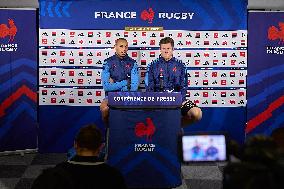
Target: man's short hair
120,39
167,40
89,137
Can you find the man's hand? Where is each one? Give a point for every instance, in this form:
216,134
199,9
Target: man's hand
111,80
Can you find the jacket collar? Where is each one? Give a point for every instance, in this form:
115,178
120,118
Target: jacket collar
163,60
85,159
124,58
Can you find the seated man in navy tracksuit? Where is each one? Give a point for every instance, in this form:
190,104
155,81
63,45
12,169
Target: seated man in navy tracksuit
169,74
120,73
84,170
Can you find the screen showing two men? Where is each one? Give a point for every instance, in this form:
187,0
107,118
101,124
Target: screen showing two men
204,148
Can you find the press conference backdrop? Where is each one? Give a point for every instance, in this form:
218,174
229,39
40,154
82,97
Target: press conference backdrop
266,79
18,79
210,38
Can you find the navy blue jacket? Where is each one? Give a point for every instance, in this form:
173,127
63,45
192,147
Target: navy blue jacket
81,172
119,70
166,76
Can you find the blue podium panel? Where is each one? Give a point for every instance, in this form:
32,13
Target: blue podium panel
143,146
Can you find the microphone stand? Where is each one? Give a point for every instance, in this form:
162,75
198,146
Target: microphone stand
128,82
161,81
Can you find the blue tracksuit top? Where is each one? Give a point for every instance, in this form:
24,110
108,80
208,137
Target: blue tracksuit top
119,69
171,73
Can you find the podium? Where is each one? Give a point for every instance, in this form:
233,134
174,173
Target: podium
143,131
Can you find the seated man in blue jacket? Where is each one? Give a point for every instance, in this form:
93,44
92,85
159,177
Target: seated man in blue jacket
120,73
169,74
85,169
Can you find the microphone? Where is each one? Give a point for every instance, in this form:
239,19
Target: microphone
128,82
177,88
161,81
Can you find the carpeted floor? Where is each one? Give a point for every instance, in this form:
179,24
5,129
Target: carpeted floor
19,172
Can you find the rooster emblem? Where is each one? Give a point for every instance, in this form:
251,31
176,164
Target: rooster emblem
8,31
147,130
274,33
148,15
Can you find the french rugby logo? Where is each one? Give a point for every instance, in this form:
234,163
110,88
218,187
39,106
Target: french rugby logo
8,31
148,15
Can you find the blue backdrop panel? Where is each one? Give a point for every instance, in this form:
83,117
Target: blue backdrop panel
157,168
58,126
18,80
208,15
229,120
266,73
